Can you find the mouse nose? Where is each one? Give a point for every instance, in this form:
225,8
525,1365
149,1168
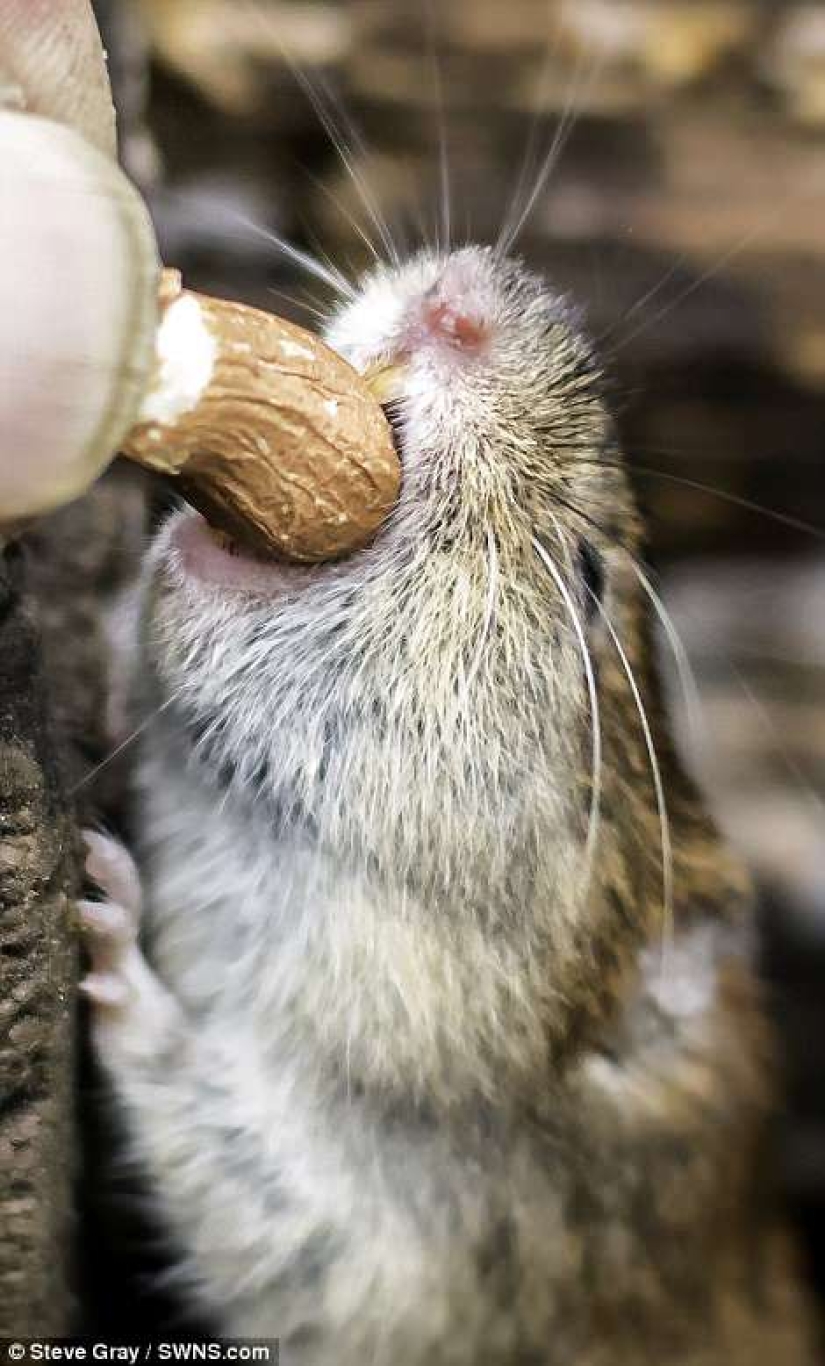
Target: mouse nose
451,323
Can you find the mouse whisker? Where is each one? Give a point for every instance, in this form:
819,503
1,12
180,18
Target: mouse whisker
348,217
528,158
609,537
680,262
313,308
769,726
748,504
715,268
444,236
684,669
330,276
694,710
656,775
124,744
594,816
584,74
298,257
339,128
783,518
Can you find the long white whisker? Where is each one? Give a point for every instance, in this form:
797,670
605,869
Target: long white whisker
441,124
326,260
333,278
563,130
347,128
124,744
712,270
346,215
314,309
769,725
782,518
595,713
687,678
794,523
367,198
322,103
640,302
528,156
656,772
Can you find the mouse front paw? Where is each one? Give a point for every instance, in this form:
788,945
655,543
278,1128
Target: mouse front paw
111,867
110,938
110,926
128,1000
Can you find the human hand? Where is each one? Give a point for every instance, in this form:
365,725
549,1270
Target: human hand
79,266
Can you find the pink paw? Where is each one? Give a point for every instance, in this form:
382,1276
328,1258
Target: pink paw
113,869
134,1015
110,927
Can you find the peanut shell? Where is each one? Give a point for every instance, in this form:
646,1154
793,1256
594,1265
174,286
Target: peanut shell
285,448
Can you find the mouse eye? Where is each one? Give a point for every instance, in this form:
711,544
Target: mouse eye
591,569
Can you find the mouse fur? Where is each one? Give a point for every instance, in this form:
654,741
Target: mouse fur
441,1042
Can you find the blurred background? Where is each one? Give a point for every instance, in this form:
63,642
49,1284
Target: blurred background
684,208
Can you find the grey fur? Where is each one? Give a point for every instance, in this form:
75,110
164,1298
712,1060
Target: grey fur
413,1081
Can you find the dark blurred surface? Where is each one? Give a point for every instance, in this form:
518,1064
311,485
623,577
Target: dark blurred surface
684,210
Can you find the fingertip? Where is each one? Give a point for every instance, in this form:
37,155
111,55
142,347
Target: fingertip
78,276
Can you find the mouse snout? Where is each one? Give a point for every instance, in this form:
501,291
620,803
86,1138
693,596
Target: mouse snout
445,320
452,324
451,313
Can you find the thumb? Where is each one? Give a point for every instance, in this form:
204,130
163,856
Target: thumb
52,63
78,280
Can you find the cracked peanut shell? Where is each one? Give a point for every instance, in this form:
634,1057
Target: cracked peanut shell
275,438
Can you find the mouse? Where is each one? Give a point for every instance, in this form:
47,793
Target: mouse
426,989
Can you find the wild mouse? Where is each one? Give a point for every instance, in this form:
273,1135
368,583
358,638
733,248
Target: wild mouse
442,1043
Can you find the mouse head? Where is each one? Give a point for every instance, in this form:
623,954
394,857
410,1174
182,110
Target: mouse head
493,391
445,708
461,718
495,400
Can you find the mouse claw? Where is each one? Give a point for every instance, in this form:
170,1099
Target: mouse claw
113,870
105,989
110,927
110,934
132,1012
